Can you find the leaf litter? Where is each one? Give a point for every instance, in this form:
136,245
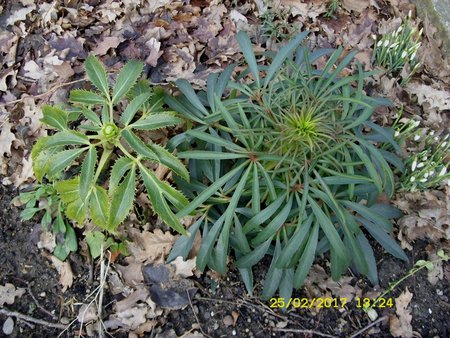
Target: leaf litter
190,40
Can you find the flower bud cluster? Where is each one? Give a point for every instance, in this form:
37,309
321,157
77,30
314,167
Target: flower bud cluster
396,49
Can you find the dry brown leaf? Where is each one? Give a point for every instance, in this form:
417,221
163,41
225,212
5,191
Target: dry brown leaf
132,318
47,241
355,5
65,272
140,294
19,14
429,97
103,46
149,246
8,293
131,273
184,268
6,139
155,52
400,325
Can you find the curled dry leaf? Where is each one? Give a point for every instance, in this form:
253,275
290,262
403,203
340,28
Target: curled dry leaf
149,246
400,325
65,272
184,268
8,293
429,97
357,6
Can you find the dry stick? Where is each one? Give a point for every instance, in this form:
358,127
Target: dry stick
195,315
39,305
60,85
31,319
368,327
305,332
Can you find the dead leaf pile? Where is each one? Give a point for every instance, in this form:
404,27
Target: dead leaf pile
400,324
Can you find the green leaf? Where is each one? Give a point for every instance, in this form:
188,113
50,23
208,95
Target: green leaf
138,146
76,211
271,229
28,213
369,214
122,200
87,172
247,50
170,161
133,107
369,256
156,121
184,244
264,215
273,276
86,97
97,74
187,90
118,170
369,166
253,257
65,138
206,248
329,230
54,117
159,204
95,241
209,155
282,55
99,207
126,79
208,192
92,116
68,190
62,160
307,257
70,239
40,160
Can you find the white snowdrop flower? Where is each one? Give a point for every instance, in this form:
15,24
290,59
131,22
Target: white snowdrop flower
233,332
374,36
431,133
409,14
425,175
386,43
416,137
444,144
431,173
414,165
446,137
420,165
423,180
413,56
412,179
404,54
425,158
397,133
435,138
420,32
379,43
443,171
399,29
416,123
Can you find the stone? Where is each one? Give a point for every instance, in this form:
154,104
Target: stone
438,12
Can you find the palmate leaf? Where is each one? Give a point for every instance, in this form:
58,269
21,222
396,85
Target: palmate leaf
97,74
126,79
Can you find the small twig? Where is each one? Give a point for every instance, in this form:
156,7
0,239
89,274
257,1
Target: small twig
195,315
31,319
39,305
312,332
60,85
357,333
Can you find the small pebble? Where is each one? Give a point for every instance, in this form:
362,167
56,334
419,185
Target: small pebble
212,314
228,320
42,294
233,332
8,326
439,292
64,320
429,310
249,320
216,326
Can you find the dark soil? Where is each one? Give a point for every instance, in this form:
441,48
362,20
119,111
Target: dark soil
24,265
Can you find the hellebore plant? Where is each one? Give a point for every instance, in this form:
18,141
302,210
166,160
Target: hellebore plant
106,141
287,164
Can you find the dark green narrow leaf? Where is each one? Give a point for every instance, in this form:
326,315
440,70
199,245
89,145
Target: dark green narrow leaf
307,258
250,259
122,200
369,214
186,89
369,166
256,197
65,138
126,79
184,244
54,117
264,215
273,275
97,74
133,107
86,97
209,155
87,172
207,244
369,256
247,50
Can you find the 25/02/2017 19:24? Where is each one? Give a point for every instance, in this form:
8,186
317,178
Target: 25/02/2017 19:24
306,303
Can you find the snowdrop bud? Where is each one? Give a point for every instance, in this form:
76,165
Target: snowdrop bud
416,123
421,165
397,133
409,14
374,36
431,173
404,54
443,171
399,29
413,56
420,32
448,182
425,158
386,43
423,180
414,165
446,137
379,43
416,137
425,175
435,138
444,144
432,133
412,179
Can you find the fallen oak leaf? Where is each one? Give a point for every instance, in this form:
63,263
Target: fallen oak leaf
400,325
183,268
8,293
65,272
